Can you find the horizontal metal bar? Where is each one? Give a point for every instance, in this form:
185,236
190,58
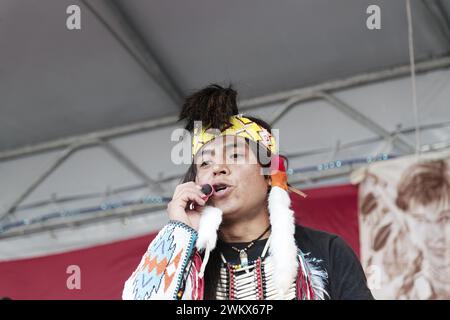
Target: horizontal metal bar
52,167
303,179
353,81
366,122
116,213
96,135
301,94
292,155
129,164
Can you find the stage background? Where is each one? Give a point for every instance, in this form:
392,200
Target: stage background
105,268
87,116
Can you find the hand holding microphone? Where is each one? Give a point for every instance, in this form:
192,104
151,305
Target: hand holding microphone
207,191
187,198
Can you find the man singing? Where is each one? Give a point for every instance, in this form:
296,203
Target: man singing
239,240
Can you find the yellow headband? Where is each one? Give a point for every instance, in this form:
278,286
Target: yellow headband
241,127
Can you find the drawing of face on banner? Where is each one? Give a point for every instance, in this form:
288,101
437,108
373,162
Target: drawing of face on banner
404,211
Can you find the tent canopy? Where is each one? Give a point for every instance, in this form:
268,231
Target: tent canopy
87,115
135,60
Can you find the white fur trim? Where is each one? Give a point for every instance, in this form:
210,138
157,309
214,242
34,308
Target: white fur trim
207,233
283,248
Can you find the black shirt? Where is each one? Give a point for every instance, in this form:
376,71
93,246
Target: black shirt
346,278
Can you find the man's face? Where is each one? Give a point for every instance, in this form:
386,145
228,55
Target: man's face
229,160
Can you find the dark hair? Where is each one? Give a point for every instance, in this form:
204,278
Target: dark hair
214,105
424,182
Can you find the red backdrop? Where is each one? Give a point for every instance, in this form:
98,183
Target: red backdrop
105,268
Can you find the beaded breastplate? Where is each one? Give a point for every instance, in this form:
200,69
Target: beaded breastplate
255,281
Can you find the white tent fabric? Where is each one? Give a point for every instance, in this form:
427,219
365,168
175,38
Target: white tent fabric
132,61
94,172
94,78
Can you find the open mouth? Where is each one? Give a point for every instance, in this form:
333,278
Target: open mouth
219,187
221,190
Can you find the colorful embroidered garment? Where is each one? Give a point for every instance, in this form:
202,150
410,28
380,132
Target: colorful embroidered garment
329,269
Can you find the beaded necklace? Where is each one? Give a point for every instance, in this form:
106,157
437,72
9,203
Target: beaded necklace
254,281
243,252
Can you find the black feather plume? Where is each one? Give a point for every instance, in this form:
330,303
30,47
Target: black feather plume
213,105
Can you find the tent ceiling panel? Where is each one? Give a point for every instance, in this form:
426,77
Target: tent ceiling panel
271,46
80,173
55,82
315,127
393,107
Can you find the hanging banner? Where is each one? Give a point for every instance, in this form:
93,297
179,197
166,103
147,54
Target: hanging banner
404,211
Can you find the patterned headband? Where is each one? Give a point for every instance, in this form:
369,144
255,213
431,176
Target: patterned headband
241,127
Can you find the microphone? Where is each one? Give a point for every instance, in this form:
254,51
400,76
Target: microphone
207,190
